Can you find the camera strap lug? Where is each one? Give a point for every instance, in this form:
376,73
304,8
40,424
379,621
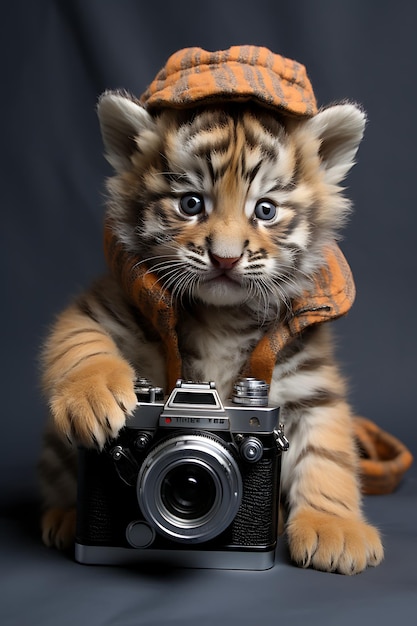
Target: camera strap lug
125,464
281,441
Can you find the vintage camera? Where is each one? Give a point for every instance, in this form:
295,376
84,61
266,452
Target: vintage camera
188,481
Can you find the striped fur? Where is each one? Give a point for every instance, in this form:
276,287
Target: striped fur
187,200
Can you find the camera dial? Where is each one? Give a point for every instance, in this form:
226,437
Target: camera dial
251,449
146,392
142,441
250,392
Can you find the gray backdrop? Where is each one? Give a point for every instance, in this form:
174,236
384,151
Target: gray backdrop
58,56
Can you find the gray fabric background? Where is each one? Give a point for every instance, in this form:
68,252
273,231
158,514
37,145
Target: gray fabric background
57,57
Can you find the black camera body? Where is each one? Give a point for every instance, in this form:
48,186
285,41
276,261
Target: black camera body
188,481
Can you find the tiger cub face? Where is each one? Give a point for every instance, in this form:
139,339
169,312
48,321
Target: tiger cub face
228,205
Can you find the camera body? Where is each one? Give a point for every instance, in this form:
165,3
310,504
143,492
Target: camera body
188,481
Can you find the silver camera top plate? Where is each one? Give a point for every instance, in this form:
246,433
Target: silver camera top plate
198,406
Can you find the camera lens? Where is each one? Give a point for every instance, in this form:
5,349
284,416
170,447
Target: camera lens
188,491
189,487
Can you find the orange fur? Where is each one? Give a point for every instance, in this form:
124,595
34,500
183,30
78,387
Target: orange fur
89,384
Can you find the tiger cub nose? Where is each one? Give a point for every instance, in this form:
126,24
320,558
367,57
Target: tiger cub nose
224,263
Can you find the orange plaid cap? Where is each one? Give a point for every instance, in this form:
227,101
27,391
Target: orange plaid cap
195,76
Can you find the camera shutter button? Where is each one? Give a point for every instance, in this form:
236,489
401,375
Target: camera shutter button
139,534
251,449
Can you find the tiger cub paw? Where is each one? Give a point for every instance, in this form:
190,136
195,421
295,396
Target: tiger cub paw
58,528
333,544
91,405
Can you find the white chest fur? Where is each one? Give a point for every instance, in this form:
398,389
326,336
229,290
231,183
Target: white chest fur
215,345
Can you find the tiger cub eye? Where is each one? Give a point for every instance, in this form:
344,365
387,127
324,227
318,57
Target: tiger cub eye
265,210
191,204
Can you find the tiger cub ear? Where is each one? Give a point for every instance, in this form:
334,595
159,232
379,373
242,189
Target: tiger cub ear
122,121
339,129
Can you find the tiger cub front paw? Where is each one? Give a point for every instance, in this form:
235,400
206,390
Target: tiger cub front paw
333,544
91,404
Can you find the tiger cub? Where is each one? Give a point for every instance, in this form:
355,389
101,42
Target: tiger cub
231,209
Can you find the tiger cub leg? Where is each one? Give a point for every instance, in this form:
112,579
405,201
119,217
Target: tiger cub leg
90,386
90,390
326,529
57,478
